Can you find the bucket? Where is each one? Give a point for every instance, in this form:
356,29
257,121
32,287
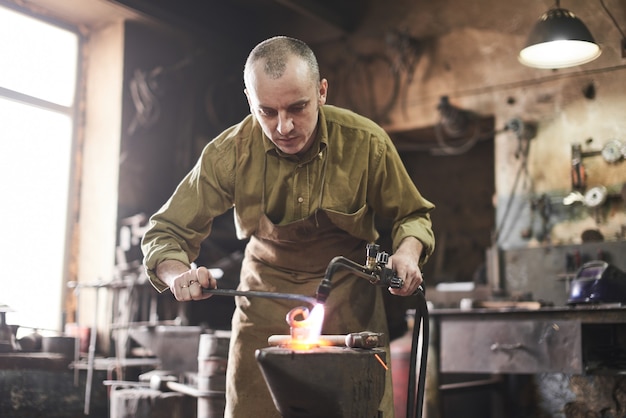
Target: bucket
212,363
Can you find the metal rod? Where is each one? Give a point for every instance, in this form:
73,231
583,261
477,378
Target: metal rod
92,353
379,275
268,295
193,391
492,381
77,342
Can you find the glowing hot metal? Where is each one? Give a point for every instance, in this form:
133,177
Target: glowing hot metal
306,327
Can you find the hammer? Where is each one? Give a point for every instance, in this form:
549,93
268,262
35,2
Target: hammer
365,339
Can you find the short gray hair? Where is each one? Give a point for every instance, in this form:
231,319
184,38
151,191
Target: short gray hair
276,52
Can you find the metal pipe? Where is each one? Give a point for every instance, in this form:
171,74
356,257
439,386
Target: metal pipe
324,288
91,359
268,295
193,391
375,271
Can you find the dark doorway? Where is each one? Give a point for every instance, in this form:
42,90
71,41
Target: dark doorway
462,187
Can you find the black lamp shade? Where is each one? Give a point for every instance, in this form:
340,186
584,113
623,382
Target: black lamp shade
558,40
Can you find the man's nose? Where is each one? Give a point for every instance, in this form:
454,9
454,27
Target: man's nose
285,124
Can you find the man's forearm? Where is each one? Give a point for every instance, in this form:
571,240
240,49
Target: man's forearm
411,245
167,270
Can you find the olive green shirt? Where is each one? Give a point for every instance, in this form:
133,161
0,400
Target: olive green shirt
352,171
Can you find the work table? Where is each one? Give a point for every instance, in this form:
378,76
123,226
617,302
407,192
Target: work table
591,313
488,355
576,340
34,361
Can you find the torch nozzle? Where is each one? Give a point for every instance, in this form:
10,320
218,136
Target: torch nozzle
323,291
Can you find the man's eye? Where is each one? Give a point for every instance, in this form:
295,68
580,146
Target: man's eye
267,112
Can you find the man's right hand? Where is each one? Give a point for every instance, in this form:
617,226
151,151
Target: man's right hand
186,283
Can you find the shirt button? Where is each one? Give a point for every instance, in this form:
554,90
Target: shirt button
300,199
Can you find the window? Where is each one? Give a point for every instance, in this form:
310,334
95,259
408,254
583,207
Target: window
37,93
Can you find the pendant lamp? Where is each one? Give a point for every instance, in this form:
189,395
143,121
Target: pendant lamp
559,40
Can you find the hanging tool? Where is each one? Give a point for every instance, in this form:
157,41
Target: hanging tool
579,178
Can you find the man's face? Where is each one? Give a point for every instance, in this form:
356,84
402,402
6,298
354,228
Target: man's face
287,107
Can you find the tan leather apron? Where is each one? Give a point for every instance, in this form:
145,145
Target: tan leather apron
293,258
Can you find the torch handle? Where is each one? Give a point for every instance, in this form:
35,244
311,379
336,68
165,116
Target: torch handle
388,278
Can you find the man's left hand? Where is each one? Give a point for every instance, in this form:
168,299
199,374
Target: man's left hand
405,262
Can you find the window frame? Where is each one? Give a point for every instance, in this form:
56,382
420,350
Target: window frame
68,272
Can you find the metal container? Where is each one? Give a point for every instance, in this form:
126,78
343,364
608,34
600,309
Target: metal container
211,378
175,346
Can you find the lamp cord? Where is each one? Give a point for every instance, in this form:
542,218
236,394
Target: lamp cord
606,9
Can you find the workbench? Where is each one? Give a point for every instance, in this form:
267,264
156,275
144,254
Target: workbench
491,343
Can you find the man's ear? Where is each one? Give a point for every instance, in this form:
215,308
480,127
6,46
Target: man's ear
245,91
323,91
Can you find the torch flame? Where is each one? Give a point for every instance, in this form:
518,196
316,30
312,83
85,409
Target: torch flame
306,332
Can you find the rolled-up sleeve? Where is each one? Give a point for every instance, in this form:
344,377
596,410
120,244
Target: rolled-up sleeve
399,200
177,229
